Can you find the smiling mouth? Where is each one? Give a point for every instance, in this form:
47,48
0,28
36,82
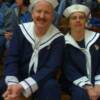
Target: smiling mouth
42,19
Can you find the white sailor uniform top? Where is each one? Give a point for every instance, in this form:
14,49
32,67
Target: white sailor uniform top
31,61
82,65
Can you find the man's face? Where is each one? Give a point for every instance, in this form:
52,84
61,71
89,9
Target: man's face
42,14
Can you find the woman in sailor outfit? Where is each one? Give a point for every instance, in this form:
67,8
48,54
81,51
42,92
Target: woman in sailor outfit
35,53
82,56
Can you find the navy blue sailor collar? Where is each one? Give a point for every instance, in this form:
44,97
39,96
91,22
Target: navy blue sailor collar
90,38
29,33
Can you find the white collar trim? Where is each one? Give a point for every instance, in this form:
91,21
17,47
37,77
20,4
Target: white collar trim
28,31
90,38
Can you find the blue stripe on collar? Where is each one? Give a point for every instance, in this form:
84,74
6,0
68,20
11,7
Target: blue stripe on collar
91,40
27,32
50,38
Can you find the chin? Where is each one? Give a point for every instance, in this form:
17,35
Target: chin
79,28
40,25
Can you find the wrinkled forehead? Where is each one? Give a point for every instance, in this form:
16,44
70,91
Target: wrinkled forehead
43,5
43,2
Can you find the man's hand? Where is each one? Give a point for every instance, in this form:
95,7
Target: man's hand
91,92
97,89
8,35
13,92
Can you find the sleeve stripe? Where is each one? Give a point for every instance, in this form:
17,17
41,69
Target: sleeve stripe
81,81
12,82
97,79
28,85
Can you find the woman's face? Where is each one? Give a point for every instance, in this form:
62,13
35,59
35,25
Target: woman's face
77,21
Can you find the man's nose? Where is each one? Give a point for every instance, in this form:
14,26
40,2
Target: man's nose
42,15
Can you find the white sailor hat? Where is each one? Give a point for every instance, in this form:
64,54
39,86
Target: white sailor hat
54,3
76,8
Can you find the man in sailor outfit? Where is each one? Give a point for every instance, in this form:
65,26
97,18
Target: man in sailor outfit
82,56
34,56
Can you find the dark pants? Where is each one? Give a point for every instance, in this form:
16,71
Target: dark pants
50,91
2,88
78,93
2,45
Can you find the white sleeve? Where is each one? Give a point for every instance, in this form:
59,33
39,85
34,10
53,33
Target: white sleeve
30,86
97,80
9,80
82,81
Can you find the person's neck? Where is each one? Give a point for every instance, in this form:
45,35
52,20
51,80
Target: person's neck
78,35
40,32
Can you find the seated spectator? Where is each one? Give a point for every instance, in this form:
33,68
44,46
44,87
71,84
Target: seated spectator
59,12
21,11
5,26
34,56
9,3
62,5
82,56
95,16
